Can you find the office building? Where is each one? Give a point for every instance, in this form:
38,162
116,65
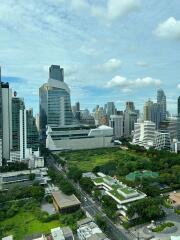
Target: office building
37,121
152,112
111,110
17,105
171,126
76,111
55,103
5,121
178,106
144,134
32,131
161,100
116,122
162,141
130,106
130,118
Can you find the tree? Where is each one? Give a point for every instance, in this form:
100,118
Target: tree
101,222
86,184
74,173
147,209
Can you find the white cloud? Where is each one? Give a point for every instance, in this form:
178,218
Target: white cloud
178,86
142,64
128,85
113,9
169,29
112,64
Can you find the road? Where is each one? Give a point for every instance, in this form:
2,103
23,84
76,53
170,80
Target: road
93,208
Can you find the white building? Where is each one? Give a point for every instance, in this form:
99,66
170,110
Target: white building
144,134
88,230
116,122
64,233
5,120
78,137
175,146
162,141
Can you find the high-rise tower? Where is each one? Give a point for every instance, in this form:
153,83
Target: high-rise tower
161,100
55,103
5,121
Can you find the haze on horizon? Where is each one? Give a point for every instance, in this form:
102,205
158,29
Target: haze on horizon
110,50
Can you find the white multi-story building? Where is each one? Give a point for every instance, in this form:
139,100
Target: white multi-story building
88,230
116,122
162,141
5,120
78,137
144,134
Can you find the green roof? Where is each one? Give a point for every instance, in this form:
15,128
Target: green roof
117,195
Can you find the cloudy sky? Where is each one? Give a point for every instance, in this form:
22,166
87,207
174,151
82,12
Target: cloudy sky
111,50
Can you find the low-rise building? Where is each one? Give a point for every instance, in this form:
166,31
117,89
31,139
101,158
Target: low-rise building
78,137
64,233
118,191
65,203
11,179
88,230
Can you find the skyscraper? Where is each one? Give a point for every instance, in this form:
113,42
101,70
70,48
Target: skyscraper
5,121
32,131
161,100
130,106
17,105
152,112
55,103
178,107
116,122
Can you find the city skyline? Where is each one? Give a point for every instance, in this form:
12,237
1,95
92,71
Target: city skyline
108,57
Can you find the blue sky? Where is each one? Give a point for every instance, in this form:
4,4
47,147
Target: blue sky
111,50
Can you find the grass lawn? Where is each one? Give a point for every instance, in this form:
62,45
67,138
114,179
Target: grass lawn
117,195
25,223
86,160
161,227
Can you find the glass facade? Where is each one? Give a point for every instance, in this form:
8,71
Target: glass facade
32,131
17,105
55,103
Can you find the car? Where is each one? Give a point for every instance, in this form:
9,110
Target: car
85,199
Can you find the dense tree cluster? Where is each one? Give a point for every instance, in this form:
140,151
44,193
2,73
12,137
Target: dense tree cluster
14,166
17,193
147,209
65,186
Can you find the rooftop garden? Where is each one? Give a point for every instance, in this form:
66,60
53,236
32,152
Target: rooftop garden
117,195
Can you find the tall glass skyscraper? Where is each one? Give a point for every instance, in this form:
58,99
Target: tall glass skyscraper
161,100
17,105
55,104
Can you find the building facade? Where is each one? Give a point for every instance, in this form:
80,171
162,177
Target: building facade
5,120
161,100
55,104
144,134
116,122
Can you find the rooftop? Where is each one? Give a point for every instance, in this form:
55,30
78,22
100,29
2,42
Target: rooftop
117,189
175,197
64,200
